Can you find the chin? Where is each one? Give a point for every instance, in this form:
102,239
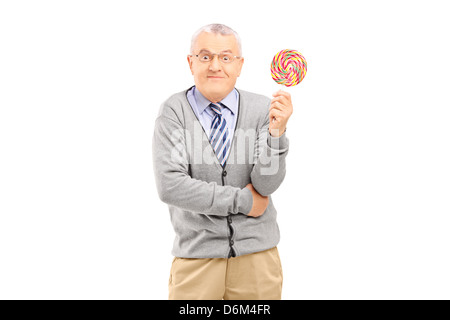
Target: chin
218,89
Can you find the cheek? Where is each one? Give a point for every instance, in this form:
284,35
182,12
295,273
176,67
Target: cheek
200,74
232,73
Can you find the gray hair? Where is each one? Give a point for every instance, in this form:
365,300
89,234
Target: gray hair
216,28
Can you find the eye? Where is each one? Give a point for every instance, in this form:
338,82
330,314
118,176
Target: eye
204,57
226,58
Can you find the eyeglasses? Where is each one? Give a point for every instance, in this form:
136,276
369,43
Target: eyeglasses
208,57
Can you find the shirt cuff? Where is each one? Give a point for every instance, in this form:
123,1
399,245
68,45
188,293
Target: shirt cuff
244,201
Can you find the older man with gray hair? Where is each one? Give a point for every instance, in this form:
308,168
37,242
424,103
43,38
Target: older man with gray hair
220,203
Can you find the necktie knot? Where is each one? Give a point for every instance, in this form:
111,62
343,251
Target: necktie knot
216,107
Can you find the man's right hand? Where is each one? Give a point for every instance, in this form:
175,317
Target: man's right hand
260,202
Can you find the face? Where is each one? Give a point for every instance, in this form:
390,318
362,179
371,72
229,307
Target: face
215,79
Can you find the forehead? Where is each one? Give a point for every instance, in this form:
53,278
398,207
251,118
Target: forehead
216,42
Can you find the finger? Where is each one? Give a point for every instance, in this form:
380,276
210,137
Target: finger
282,99
283,109
277,107
275,110
282,103
278,103
285,94
275,114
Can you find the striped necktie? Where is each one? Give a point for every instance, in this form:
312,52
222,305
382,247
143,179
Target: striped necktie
219,136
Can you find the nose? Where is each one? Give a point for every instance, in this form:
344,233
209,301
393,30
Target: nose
215,64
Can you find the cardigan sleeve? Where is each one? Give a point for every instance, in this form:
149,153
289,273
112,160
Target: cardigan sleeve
177,188
269,169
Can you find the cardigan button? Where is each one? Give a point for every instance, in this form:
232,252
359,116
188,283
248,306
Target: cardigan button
224,173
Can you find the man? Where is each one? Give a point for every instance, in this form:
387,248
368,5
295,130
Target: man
218,155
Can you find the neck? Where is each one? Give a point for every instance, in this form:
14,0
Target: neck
213,98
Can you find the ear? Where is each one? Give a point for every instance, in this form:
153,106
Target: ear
190,60
241,62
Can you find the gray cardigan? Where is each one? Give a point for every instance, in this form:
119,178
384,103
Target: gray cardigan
209,204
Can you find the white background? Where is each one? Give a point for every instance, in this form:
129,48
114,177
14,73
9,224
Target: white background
364,209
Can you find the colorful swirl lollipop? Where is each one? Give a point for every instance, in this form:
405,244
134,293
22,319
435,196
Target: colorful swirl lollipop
288,67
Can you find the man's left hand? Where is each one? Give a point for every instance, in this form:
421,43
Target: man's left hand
280,110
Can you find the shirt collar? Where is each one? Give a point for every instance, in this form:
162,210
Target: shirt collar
230,101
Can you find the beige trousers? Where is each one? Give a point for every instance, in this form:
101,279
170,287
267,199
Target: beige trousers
255,276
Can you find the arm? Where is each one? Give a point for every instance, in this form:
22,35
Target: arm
272,147
176,187
270,168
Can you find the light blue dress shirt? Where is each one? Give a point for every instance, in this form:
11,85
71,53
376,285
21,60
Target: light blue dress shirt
205,115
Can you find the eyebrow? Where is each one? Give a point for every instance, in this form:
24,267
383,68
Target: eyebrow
224,51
